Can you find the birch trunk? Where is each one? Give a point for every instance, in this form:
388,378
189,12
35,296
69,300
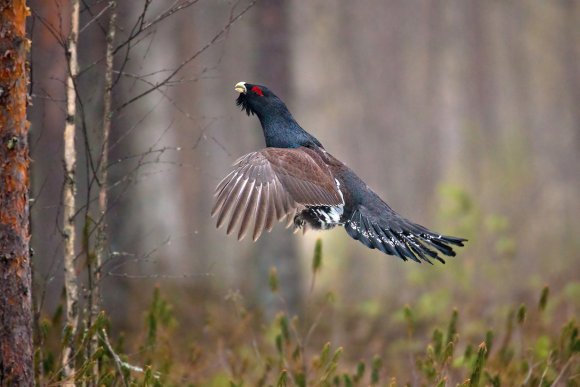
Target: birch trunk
69,207
101,239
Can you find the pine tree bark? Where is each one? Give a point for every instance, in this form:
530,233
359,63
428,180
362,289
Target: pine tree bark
16,365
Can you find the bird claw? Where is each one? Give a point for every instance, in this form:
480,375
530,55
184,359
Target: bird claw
299,221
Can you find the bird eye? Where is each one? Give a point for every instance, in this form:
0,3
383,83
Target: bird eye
258,91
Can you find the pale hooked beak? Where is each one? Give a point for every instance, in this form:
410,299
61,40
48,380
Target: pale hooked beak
241,87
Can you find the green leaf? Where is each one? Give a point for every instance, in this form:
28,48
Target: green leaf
452,328
409,320
437,342
284,327
544,298
347,381
360,371
279,343
317,259
282,379
488,340
521,315
542,348
273,280
324,354
377,364
478,366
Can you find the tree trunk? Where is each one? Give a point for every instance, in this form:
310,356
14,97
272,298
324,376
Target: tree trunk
273,68
16,367
69,207
102,177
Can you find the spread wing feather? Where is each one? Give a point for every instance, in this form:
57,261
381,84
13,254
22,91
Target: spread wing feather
272,184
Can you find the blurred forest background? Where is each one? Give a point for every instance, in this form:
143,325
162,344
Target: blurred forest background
463,115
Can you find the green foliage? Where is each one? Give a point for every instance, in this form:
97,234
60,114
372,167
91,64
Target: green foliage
316,262
544,298
241,349
521,315
376,366
160,314
317,259
488,341
458,205
478,366
273,280
409,319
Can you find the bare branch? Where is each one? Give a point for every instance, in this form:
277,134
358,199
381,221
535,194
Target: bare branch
116,358
216,37
95,18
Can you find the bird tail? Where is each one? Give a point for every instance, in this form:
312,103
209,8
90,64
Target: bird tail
394,235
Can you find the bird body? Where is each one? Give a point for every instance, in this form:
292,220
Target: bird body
296,178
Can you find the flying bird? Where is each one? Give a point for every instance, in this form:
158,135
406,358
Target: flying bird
294,177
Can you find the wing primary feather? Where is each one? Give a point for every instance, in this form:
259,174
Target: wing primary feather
261,212
225,181
270,207
290,217
240,207
271,185
279,200
288,205
230,187
223,195
237,172
231,200
250,211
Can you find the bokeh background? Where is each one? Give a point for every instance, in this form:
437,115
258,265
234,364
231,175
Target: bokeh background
463,115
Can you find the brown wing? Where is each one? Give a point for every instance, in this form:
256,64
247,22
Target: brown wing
271,184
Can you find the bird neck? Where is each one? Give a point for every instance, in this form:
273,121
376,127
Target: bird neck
282,131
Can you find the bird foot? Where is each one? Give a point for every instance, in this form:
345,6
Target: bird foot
299,221
300,224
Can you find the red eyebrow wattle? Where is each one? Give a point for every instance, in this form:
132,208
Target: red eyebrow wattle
257,90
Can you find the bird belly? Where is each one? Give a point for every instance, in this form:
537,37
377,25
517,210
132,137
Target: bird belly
319,217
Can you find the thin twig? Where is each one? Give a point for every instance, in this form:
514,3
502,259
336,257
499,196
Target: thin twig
97,17
562,371
120,364
116,357
188,60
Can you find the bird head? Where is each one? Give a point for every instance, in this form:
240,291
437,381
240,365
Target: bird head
257,99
